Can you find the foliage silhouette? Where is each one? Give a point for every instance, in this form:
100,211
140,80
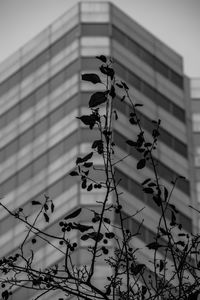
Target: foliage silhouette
171,268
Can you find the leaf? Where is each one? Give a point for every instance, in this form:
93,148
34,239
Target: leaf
154,246
90,187
85,237
88,164
125,85
106,220
34,202
112,92
123,98
102,58
119,85
5,295
52,207
81,227
138,105
131,143
73,173
88,120
98,98
157,200
148,190
46,207
73,214
46,217
141,164
78,160
96,236
165,193
137,269
107,71
161,267
94,78
97,143
87,157
146,181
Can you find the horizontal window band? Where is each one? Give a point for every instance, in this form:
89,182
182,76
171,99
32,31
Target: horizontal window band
90,63
163,170
135,188
91,29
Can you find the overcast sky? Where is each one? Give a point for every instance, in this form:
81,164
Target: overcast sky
175,22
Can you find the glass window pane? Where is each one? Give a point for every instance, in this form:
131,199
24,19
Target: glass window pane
92,29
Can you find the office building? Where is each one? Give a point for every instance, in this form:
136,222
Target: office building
41,94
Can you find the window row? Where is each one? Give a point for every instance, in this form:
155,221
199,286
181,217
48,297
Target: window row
90,30
147,57
140,85
39,164
149,91
166,137
39,60
37,95
38,129
163,170
135,189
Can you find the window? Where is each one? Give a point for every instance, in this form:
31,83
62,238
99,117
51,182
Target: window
92,29
196,122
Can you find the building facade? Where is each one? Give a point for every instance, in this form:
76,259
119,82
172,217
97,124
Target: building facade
41,94
195,98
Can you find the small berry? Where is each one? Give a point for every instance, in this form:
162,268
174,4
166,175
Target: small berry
33,241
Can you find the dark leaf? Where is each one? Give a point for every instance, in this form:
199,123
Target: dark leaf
97,143
73,173
165,193
73,214
123,98
137,269
5,295
90,187
155,133
107,71
52,207
119,85
46,207
138,104
132,121
85,237
146,181
88,120
87,157
181,243
46,217
34,202
84,184
154,246
82,228
112,92
110,235
148,190
173,207
125,85
106,220
98,98
116,115
88,164
94,78
157,200
131,143
161,267
79,160
96,236
141,164
102,58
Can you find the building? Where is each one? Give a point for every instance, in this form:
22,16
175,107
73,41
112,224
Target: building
41,95
195,97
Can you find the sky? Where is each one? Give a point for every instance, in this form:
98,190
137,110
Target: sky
175,22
